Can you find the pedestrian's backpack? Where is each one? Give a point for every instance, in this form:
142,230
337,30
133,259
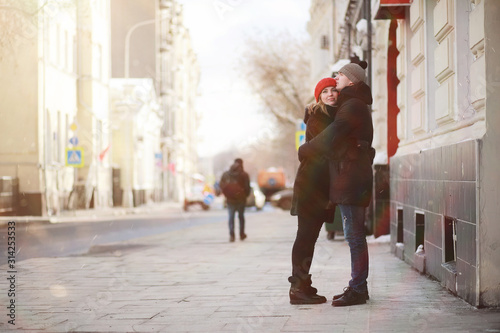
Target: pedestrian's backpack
231,187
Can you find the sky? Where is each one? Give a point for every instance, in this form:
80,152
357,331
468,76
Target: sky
218,28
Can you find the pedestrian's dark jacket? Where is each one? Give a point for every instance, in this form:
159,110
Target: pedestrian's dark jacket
236,171
310,189
347,143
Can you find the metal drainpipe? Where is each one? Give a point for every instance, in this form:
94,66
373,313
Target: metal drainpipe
45,114
368,17
349,30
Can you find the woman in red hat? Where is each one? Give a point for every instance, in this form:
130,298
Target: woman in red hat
310,196
347,142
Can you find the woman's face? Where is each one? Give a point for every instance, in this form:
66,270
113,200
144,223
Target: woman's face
329,96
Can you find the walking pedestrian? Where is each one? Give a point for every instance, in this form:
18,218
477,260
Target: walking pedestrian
347,141
310,196
235,185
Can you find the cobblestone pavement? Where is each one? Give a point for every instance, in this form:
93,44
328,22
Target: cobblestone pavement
195,280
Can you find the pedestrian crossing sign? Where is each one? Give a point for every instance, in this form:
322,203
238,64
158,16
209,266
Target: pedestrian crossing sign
300,138
74,157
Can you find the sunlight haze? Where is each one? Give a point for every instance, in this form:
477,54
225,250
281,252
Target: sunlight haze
230,114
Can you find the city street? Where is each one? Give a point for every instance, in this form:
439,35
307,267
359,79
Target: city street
116,115
77,236
192,279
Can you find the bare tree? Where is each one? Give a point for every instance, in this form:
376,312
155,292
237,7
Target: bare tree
277,68
19,20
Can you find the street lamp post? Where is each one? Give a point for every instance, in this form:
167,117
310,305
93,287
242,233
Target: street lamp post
127,44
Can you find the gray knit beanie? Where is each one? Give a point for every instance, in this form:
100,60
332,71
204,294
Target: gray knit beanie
355,72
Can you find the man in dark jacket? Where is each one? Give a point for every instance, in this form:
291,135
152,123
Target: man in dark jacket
347,143
235,185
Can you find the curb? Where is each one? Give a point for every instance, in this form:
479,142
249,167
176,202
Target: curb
86,215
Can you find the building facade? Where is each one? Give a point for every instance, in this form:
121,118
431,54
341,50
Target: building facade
56,60
321,28
149,40
93,180
59,95
434,78
136,125
181,150
444,190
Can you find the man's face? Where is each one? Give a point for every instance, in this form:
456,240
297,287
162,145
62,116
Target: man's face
342,81
329,96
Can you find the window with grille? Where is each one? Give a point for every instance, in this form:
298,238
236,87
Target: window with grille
325,45
450,239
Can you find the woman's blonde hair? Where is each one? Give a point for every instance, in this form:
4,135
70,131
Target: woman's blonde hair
314,107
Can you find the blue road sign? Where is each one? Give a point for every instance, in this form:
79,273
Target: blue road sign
74,141
300,138
74,157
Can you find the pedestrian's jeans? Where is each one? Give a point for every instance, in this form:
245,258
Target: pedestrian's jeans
232,209
353,221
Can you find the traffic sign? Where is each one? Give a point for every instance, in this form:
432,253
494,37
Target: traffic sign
300,134
74,141
301,126
74,157
300,138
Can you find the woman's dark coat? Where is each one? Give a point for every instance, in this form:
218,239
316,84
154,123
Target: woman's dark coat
347,143
310,189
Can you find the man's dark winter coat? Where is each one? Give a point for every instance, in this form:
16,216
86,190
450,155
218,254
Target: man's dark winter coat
236,170
310,189
347,143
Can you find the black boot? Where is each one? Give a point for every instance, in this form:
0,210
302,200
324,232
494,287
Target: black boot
301,291
345,290
350,297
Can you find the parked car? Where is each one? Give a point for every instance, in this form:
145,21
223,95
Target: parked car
199,194
256,197
282,199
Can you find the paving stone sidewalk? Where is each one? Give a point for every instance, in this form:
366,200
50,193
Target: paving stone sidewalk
194,280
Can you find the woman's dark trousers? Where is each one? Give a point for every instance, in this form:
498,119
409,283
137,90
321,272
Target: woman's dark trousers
309,227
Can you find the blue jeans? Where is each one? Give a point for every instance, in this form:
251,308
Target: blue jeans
232,209
353,221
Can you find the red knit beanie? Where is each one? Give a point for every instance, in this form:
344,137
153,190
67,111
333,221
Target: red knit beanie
322,84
